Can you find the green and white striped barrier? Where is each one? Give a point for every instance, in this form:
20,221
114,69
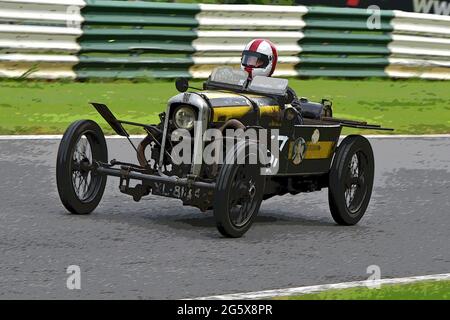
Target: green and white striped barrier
135,39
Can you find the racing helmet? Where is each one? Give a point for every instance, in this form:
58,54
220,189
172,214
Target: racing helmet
259,58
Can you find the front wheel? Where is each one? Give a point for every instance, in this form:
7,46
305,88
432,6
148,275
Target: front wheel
239,193
351,180
80,188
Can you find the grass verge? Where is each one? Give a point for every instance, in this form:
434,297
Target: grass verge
40,107
424,290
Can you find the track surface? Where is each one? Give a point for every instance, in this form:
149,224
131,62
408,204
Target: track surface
158,249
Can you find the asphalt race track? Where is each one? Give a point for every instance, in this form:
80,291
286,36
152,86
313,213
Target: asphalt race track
159,249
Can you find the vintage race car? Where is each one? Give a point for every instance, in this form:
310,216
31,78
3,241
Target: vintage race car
233,121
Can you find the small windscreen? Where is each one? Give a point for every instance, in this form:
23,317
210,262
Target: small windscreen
269,85
230,76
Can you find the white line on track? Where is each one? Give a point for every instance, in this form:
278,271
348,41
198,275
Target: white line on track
319,288
58,137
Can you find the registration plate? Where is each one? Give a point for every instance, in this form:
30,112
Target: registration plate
176,191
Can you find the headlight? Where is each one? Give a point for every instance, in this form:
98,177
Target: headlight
184,117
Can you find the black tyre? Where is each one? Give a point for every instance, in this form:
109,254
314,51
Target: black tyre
351,180
79,188
239,193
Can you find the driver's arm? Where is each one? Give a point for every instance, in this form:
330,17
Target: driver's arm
295,102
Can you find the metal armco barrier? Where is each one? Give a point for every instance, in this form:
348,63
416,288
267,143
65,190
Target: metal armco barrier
135,39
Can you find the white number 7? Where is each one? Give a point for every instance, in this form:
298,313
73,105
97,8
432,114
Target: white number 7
283,140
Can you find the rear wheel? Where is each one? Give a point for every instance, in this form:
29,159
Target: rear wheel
238,195
80,188
351,180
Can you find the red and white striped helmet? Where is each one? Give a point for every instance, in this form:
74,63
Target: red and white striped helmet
259,58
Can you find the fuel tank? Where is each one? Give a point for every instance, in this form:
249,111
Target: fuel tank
250,109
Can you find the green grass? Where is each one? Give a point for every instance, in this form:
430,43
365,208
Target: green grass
427,290
41,107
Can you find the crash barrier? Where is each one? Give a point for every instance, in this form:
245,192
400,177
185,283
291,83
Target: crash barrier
39,38
136,39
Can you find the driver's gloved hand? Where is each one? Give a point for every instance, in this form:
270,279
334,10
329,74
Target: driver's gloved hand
295,103
292,96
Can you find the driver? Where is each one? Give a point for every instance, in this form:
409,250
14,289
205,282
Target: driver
259,58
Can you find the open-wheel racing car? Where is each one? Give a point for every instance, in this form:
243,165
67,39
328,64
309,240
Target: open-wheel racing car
298,152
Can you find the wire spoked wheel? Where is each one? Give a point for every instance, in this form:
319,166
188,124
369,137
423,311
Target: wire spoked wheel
79,187
83,181
351,180
242,195
355,185
238,196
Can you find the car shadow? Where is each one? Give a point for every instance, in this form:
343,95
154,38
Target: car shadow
192,223
263,217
